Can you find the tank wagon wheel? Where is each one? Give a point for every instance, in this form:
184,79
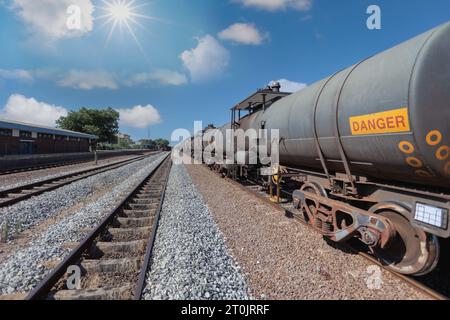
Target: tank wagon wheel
309,210
412,251
314,188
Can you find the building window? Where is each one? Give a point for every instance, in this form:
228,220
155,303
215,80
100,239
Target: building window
25,134
45,136
5,132
57,137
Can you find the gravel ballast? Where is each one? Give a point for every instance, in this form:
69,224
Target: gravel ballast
22,178
282,259
21,271
190,260
26,214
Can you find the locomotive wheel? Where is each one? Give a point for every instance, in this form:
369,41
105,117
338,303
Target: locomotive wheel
412,251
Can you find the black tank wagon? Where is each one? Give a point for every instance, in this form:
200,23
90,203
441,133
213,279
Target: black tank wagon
371,147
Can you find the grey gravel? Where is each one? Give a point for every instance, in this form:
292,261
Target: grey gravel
282,259
23,270
26,214
190,260
23,178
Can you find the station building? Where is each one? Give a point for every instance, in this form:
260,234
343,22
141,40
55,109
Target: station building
17,138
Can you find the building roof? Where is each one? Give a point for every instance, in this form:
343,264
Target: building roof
8,124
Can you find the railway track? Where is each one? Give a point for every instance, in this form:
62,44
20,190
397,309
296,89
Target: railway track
255,189
113,259
43,166
16,194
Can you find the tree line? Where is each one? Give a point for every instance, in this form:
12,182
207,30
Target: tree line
104,124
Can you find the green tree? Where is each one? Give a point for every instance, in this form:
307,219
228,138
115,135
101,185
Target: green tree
162,143
148,143
103,123
123,144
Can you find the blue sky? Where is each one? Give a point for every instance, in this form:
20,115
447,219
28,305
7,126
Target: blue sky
196,58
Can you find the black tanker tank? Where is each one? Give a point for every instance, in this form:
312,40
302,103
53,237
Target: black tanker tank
388,116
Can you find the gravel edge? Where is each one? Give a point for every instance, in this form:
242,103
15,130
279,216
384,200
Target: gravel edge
190,259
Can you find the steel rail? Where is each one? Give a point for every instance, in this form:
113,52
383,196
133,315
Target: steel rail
36,188
43,289
43,166
148,254
290,214
63,163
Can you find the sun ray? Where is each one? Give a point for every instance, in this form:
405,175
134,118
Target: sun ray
111,32
134,37
124,16
121,13
137,23
139,6
137,15
129,4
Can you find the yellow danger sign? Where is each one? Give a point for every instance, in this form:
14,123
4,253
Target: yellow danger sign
392,121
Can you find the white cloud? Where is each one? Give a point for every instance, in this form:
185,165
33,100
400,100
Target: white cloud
244,33
88,80
92,79
50,74
48,18
290,86
206,61
162,77
17,74
139,116
274,5
30,110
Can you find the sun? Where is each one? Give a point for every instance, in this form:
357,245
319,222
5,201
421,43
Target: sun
122,14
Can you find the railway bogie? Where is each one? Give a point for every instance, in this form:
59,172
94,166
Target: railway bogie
386,227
